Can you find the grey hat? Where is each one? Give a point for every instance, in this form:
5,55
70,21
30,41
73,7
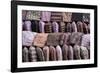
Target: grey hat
32,54
25,55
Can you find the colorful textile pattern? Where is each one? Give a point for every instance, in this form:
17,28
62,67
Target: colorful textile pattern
55,36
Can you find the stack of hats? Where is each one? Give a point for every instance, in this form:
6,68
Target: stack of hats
55,53
62,27
45,16
56,16
33,15
67,16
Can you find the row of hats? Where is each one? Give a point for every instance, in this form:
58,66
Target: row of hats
57,53
50,27
54,16
46,15
41,39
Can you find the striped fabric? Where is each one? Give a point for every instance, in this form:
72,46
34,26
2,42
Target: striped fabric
40,54
70,53
56,16
25,56
86,40
77,53
55,27
74,27
65,52
52,53
32,54
48,27
46,53
41,26
68,27
59,53
80,26
62,27
45,15
65,39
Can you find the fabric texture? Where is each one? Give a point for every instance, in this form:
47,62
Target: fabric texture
88,28
62,27
80,26
77,17
41,26
77,54
84,53
68,27
25,54
67,16
65,52
85,28
74,27
27,25
75,38
65,39
40,39
33,15
55,27
40,54
28,38
53,39
52,53
32,54
86,17
59,53
35,26
56,16
70,53
48,27
86,40
46,53
24,12
45,16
